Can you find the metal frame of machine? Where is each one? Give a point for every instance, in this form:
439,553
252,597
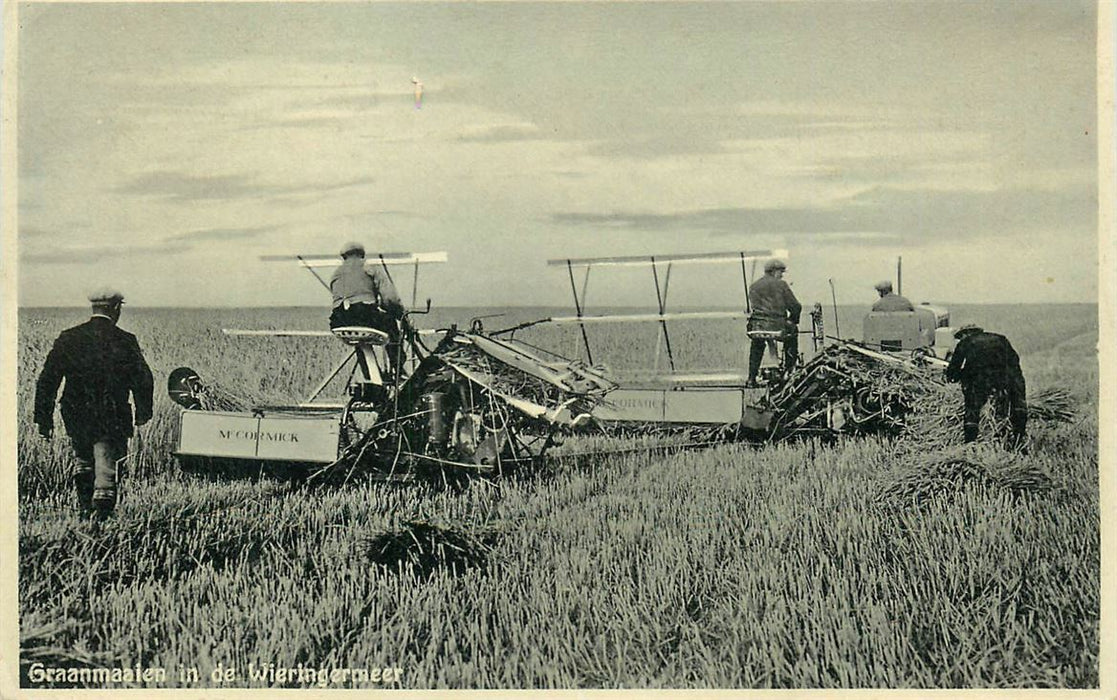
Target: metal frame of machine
480,402
665,396
471,403
306,432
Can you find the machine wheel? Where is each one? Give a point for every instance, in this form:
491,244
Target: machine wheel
919,355
510,441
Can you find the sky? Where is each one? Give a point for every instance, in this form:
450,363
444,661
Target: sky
163,148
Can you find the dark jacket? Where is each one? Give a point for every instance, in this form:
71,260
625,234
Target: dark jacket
101,364
772,299
983,356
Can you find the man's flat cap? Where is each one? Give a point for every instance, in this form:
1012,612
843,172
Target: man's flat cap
774,264
967,329
105,295
884,286
352,247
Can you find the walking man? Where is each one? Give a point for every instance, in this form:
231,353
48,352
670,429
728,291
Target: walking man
987,367
774,308
101,365
363,297
890,301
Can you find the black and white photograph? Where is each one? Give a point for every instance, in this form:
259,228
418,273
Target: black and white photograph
557,346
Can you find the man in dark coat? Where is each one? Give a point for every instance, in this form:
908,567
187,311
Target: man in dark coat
987,367
101,365
774,308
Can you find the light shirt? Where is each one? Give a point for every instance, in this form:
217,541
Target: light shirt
893,302
352,283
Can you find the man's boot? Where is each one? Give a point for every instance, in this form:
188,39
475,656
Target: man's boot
104,501
1018,441
756,356
105,454
83,486
1019,422
969,431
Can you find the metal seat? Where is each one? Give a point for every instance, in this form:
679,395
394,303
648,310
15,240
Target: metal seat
766,335
360,335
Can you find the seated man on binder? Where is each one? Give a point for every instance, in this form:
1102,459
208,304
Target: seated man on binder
363,297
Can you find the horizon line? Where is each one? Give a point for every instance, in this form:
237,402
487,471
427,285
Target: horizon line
552,306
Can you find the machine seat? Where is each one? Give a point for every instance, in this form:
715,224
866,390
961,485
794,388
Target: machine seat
360,335
765,335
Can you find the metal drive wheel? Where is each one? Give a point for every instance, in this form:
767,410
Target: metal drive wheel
510,439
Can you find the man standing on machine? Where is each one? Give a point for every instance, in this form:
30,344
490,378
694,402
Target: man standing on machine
774,308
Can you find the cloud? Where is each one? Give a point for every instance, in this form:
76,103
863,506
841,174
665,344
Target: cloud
391,212
659,146
27,232
307,122
278,92
702,131
90,255
958,213
180,186
880,214
220,234
339,185
503,133
897,169
185,187
718,221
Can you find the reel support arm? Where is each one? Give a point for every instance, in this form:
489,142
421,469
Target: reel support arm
316,275
578,310
337,370
661,298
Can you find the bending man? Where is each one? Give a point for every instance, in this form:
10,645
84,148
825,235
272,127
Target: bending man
987,366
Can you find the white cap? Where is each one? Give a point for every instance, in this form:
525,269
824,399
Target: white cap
352,247
106,296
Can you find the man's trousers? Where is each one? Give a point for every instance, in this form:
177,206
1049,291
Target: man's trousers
371,316
95,473
789,338
1008,392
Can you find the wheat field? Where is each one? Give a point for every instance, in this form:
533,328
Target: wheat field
800,565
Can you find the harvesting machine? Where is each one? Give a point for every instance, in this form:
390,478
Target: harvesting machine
845,386
468,402
478,401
